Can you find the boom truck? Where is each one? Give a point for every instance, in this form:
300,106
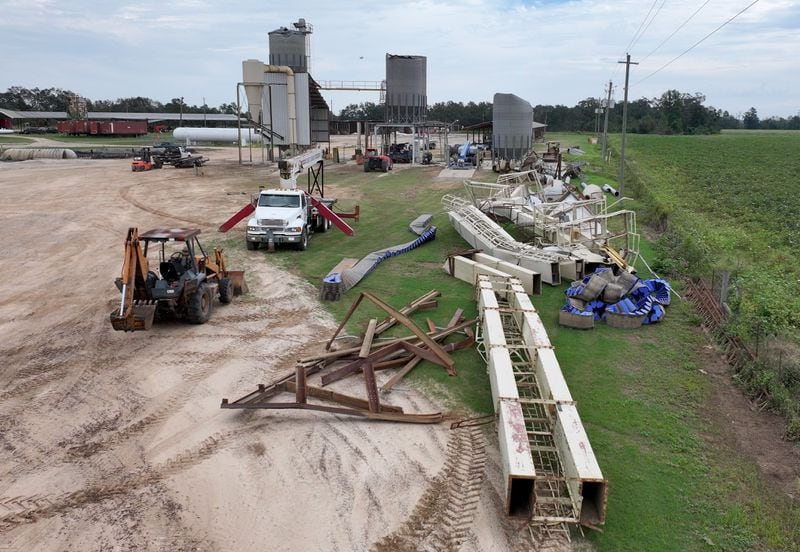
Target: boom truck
288,215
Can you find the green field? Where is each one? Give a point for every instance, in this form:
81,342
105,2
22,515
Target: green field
676,481
14,140
730,202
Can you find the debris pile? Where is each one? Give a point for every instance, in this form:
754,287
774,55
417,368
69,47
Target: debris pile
367,357
623,300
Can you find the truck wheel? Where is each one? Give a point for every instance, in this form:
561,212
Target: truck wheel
366,166
225,291
251,246
384,166
198,310
303,245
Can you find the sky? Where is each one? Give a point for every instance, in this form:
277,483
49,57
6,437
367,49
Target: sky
544,51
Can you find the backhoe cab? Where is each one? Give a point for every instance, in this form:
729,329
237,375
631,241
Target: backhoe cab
184,285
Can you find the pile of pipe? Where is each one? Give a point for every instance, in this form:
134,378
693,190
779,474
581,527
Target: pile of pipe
26,154
625,295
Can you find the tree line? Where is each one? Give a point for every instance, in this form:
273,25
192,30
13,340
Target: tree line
56,99
673,112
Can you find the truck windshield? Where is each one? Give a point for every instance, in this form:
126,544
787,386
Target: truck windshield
272,200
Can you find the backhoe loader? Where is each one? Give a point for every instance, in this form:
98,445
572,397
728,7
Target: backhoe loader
184,286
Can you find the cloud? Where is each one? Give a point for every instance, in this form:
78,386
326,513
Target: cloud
548,52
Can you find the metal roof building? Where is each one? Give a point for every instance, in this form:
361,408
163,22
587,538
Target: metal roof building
19,118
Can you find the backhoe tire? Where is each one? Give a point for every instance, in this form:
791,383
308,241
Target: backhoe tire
198,311
225,291
303,243
384,166
252,246
366,166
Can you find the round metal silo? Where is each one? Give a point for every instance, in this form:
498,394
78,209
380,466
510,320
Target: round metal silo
406,89
291,47
512,127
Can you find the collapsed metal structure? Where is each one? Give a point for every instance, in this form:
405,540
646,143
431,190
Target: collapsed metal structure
558,217
366,358
551,474
481,232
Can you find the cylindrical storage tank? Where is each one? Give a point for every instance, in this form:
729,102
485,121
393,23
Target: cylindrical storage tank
512,123
253,78
406,89
205,134
291,47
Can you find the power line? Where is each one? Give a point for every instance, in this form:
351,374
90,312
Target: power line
636,35
648,24
693,46
653,5
676,30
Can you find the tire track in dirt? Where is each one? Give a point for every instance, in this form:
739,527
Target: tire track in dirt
125,194
169,405
16,510
52,362
442,517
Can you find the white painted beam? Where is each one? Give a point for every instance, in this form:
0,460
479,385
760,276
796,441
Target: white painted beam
518,470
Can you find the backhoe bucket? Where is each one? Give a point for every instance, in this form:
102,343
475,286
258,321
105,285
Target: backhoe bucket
141,319
237,279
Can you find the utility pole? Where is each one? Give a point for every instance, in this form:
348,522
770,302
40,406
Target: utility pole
605,123
628,64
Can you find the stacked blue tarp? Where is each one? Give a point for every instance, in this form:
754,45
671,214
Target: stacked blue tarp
625,295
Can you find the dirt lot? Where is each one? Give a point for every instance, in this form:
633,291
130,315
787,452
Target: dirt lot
112,441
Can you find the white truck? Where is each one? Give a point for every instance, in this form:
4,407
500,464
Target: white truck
285,216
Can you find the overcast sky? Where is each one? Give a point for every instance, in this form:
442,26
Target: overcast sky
545,51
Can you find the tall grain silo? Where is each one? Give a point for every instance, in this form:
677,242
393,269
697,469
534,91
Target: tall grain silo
512,124
291,47
406,89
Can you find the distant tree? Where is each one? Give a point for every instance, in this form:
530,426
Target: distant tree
36,99
14,98
670,107
726,120
229,108
750,119
364,111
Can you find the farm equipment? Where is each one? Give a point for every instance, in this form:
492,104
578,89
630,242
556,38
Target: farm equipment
375,162
464,157
184,286
144,162
401,153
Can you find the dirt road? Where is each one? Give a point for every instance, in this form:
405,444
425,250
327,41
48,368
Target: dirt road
112,441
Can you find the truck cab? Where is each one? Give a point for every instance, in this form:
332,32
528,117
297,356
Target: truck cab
283,217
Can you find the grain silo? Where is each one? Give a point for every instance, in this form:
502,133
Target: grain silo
291,47
512,123
406,89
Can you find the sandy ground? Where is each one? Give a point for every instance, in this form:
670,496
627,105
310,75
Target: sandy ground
113,441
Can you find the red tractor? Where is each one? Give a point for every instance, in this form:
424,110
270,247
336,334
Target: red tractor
376,162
